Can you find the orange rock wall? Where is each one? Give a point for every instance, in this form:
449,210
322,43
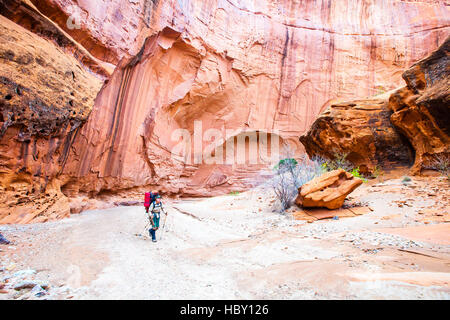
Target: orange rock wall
421,110
268,66
247,66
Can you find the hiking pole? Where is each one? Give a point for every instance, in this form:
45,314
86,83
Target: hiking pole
146,226
162,229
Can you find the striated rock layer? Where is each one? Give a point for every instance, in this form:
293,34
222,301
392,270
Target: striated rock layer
244,66
421,110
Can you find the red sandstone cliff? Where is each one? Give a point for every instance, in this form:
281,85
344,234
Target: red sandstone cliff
421,110
409,125
242,65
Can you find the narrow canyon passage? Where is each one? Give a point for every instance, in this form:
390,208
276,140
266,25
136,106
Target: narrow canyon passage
235,247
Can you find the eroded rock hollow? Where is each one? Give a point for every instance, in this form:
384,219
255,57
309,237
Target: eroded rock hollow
408,125
237,66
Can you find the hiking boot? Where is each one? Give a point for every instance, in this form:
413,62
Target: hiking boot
154,240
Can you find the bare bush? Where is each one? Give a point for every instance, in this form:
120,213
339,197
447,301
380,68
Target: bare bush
291,174
284,188
441,163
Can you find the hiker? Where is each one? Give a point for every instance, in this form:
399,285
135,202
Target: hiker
154,214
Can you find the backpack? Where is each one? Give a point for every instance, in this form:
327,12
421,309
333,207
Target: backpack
149,198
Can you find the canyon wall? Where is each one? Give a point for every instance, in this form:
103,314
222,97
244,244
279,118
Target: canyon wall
360,130
237,66
409,126
421,110
46,96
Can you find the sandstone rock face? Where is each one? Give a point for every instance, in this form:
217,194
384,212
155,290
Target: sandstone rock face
245,66
362,130
422,108
25,14
262,67
45,97
329,190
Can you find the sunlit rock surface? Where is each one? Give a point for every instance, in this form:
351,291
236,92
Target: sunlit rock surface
361,131
328,190
422,108
266,66
269,67
45,97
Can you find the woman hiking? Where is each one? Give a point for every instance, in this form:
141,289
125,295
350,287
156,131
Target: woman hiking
154,215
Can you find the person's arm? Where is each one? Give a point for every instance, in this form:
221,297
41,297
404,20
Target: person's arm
162,208
151,220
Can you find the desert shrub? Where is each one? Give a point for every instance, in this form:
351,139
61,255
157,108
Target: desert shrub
284,188
406,179
339,161
291,174
441,163
377,171
355,172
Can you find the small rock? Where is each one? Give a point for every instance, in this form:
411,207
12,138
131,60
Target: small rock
38,291
25,285
29,284
3,240
12,266
24,273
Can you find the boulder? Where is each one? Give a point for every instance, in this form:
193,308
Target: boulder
329,190
3,240
30,284
362,130
421,110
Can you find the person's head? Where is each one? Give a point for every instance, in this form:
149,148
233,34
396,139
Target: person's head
158,199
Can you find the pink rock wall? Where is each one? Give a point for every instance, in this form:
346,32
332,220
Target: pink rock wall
239,65
247,66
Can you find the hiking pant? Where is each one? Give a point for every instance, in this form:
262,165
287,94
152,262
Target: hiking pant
152,233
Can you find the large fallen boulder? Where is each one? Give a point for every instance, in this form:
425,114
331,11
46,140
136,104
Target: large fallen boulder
421,110
329,190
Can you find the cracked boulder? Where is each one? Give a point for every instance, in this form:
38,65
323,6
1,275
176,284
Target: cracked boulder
362,130
327,191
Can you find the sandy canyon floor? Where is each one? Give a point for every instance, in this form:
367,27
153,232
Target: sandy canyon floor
236,247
